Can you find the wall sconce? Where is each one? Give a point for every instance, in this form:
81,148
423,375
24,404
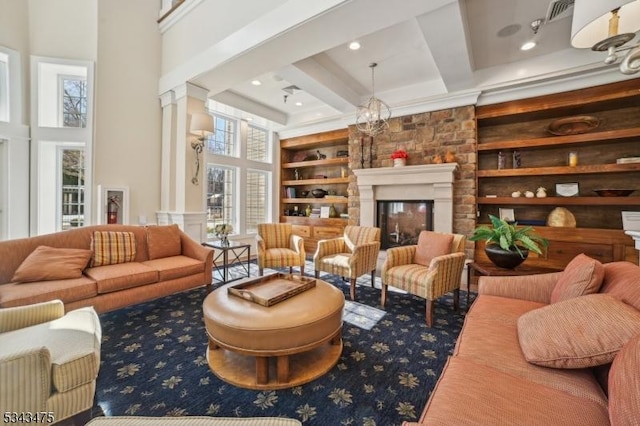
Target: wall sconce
607,25
201,125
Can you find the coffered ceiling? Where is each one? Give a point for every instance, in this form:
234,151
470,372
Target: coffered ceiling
429,53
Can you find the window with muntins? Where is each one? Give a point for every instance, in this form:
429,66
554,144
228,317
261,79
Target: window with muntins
257,144
223,139
256,196
73,177
74,101
221,184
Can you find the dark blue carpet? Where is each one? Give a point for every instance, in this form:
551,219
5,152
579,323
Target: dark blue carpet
153,363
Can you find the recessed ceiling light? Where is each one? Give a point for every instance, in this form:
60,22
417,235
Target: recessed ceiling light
354,45
528,45
256,82
298,103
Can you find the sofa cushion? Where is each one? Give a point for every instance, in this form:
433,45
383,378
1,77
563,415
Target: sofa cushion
73,342
51,263
492,323
469,393
173,267
110,248
70,290
121,276
431,244
583,275
163,241
622,279
624,385
577,333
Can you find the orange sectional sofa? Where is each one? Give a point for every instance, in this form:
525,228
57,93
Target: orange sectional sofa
104,266
553,349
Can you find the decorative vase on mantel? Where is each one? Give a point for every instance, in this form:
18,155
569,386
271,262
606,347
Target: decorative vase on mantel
399,162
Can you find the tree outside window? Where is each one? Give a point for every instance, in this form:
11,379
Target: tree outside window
74,102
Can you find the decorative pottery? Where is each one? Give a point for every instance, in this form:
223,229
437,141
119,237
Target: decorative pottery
529,194
399,162
613,192
319,193
561,217
505,258
541,192
573,125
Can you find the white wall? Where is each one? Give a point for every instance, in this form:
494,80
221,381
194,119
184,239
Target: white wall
127,147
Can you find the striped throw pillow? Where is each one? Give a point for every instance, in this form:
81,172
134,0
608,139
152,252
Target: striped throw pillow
111,247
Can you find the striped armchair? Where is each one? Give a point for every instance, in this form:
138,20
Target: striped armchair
352,255
279,247
49,361
429,280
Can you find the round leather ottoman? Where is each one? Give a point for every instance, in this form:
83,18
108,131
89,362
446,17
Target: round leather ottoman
301,334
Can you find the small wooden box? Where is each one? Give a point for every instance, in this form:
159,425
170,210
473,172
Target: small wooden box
271,289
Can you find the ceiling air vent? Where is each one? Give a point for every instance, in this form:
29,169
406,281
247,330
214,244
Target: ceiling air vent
559,9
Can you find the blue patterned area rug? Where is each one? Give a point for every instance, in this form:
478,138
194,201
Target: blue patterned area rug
154,363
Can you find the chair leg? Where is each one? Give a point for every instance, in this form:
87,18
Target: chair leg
261,271
373,278
429,313
317,274
302,270
456,299
383,295
353,289
290,269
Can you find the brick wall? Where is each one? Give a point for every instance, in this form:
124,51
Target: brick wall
424,136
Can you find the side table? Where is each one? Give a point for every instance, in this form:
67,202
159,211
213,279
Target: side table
222,251
489,269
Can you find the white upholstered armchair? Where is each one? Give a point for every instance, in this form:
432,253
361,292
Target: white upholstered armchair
49,360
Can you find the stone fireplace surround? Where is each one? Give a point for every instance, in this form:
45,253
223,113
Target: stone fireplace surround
420,182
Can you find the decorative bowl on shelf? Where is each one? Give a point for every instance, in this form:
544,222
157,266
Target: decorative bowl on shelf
613,192
573,125
304,194
319,193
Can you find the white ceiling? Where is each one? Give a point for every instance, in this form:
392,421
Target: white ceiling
427,51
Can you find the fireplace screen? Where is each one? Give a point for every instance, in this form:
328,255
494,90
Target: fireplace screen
400,222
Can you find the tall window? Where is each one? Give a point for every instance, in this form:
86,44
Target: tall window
223,139
72,178
220,196
239,175
256,210
257,146
74,101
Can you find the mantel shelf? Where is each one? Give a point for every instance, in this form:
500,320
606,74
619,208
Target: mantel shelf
315,200
566,201
562,170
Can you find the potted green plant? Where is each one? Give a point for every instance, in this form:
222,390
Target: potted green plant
508,245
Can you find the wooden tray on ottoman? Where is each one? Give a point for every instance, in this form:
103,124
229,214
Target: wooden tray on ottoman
271,289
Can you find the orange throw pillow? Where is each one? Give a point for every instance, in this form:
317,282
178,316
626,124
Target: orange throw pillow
431,244
583,275
163,241
577,333
50,263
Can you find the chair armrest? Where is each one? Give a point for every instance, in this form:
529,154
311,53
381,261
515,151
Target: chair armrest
535,288
445,274
329,247
25,379
28,315
297,245
397,256
260,244
364,258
